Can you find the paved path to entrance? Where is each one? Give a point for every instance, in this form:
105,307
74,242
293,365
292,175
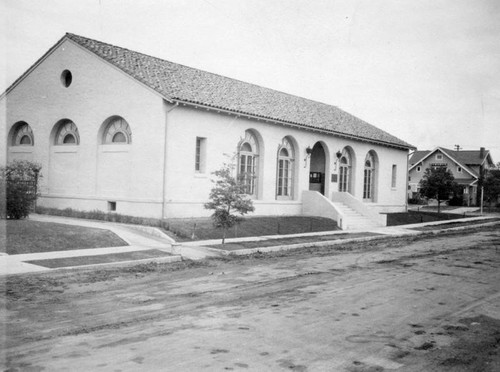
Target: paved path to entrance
142,238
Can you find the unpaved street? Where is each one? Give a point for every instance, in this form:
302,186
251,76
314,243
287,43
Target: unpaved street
409,304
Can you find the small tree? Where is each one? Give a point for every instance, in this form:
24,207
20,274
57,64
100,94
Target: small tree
438,183
228,197
491,186
18,184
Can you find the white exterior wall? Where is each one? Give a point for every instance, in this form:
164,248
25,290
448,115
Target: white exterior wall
187,190
3,130
89,175
153,177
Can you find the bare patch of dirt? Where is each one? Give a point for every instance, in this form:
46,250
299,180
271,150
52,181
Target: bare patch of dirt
411,304
475,346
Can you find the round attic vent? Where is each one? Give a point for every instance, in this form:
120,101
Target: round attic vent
66,78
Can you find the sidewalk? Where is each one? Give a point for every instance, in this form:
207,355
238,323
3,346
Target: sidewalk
143,238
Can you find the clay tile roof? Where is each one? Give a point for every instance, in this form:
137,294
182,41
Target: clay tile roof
181,83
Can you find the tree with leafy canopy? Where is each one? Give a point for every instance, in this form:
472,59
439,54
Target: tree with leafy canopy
438,183
228,200
491,186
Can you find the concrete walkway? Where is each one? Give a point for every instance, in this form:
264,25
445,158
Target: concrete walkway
142,238
457,210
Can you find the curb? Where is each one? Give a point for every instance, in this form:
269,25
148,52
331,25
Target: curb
287,247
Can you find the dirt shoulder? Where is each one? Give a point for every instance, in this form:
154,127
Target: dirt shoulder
405,304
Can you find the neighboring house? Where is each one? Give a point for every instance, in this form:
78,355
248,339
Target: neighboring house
467,166
117,130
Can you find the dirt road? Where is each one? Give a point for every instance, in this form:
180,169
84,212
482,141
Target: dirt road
413,304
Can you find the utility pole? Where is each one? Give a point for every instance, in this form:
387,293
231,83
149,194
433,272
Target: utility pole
482,196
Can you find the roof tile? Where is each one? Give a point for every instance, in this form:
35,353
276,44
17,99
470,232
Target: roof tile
182,83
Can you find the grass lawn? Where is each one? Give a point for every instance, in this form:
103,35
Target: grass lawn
202,228
25,236
287,241
99,259
406,218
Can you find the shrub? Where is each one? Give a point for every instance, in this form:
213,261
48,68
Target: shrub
18,186
456,201
417,200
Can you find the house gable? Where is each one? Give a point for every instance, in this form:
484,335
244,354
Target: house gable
436,153
96,93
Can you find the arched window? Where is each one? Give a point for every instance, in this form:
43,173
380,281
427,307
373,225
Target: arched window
369,177
117,131
23,135
345,171
67,134
285,174
248,153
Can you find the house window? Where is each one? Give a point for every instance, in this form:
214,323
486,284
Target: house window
66,78
439,156
438,165
247,163
284,187
23,135
117,131
200,155
368,177
344,174
459,169
111,206
345,169
67,134
394,176
419,169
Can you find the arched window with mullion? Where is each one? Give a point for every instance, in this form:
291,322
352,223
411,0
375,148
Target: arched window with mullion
369,176
285,172
344,173
248,153
67,134
23,135
117,131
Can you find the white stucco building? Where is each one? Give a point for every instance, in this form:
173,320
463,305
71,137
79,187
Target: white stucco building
117,130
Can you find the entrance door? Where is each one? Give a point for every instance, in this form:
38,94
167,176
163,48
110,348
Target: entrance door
317,169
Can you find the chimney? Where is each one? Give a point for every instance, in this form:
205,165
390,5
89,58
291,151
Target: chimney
481,152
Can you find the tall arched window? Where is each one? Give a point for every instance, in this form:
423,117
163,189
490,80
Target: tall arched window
67,134
285,174
22,135
248,153
345,171
369,177
117,131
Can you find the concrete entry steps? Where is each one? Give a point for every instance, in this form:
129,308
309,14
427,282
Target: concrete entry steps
354,220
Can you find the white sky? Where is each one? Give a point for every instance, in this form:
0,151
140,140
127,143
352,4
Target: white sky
426,71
